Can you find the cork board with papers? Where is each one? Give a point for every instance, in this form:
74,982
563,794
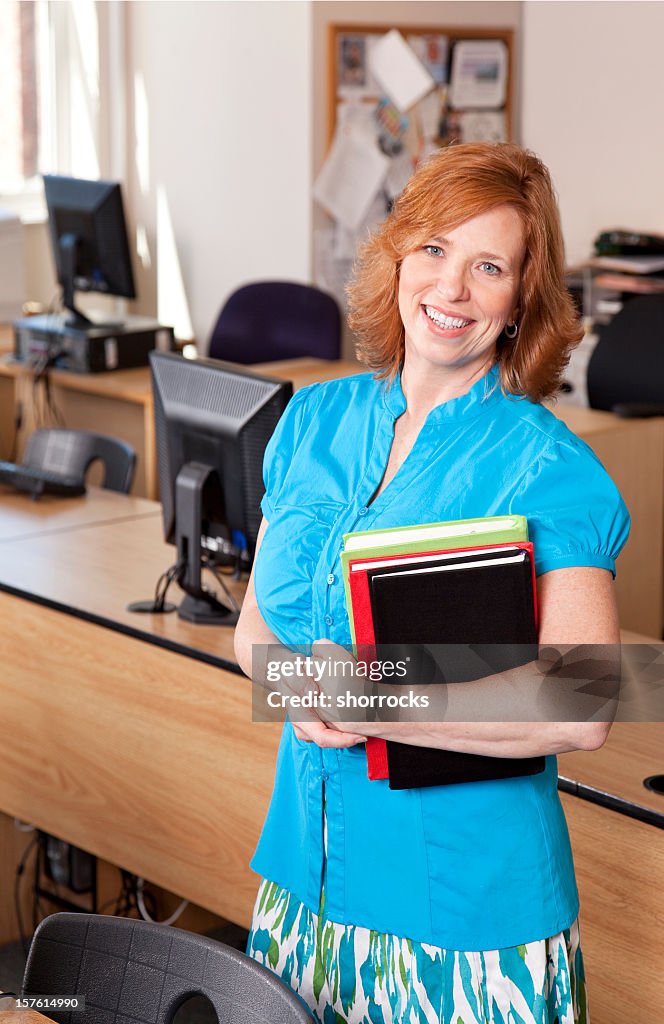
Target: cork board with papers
394,96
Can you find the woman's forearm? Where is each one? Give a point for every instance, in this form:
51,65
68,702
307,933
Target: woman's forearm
543,707
496,739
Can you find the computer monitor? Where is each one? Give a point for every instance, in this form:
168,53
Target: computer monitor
213,421
89,240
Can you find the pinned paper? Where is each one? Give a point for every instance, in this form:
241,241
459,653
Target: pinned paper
401,169
430,113
479,73
483,126
350,178
431,50
402,76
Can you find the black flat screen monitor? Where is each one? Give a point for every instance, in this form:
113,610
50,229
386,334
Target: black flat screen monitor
213,421
89,240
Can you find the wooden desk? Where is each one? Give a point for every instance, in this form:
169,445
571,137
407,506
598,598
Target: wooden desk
21,517
632,452
147,756
23,1017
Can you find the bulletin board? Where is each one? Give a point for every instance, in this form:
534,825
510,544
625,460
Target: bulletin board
394,97
447,53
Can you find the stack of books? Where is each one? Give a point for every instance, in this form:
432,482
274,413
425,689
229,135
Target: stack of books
454,601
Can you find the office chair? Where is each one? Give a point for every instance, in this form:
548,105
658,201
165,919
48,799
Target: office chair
70,452
271,320
625,372
141,972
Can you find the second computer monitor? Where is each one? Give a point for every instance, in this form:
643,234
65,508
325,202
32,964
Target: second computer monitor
89,239
213,421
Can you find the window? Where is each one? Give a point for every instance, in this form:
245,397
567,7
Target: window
55,105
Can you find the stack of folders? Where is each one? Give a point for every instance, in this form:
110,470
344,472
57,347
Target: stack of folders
454,602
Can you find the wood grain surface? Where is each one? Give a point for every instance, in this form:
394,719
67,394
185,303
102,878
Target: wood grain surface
143,757
620,867
21,516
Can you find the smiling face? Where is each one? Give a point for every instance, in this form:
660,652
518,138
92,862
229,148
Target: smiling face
457,292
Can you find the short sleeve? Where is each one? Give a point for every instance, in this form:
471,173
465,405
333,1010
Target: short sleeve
576,515
282,445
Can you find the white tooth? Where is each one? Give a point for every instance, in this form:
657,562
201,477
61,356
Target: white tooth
445,321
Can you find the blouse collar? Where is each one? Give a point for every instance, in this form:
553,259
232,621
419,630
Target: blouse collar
481,397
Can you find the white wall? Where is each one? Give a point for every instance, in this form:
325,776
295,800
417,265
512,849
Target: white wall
226,143
593,108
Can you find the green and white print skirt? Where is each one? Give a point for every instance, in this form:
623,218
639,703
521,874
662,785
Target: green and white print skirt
351,975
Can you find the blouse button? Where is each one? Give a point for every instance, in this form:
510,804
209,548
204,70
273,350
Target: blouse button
328,620
363,511
324,775
331,578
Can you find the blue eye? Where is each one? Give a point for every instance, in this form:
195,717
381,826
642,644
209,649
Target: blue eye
490,268
433,250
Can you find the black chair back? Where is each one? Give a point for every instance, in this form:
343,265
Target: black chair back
626,369
71,452
140,972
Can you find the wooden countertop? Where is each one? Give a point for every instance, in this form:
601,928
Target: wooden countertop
96,571
23,1017
22,516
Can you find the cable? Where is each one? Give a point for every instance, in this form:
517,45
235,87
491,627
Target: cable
125,901
51,406
140,885
23,826
217,575
17,891
164,582
158,604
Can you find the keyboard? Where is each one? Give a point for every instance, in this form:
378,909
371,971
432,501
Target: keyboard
40,481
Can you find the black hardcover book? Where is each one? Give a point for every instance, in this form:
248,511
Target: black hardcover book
482,606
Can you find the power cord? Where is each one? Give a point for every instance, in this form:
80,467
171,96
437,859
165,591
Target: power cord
145,914
211,567
34,842
159,605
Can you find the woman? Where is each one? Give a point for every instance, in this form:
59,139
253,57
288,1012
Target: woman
454,903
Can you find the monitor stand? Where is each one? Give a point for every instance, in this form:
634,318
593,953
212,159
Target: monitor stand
200,605
78,321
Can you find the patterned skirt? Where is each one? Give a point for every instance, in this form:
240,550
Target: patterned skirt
352,975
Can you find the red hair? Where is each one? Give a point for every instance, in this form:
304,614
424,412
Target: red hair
452,186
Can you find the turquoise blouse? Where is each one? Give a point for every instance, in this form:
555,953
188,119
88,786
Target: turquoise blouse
469,867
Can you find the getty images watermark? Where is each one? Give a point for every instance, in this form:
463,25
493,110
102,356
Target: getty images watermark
460,682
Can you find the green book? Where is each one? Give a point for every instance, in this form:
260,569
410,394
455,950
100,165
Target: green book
425,537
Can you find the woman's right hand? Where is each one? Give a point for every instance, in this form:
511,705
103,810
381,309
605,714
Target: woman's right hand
315,731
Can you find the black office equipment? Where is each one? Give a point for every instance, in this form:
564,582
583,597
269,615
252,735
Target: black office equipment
89,239
90,247
462,619
625,370
40,481
213,421
127,970
47,341
621,242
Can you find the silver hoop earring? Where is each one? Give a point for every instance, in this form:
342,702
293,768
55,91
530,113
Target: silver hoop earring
511,331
